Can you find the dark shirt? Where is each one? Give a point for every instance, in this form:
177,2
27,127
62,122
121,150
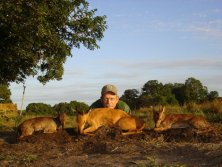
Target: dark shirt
120,105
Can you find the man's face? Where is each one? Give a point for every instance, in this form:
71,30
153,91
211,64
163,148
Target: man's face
109,100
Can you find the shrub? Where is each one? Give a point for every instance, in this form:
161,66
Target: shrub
63,107
71,108
40,108
79,106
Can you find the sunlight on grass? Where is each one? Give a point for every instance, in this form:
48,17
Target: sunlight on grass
71,122
211,110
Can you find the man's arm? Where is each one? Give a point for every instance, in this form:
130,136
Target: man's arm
96,104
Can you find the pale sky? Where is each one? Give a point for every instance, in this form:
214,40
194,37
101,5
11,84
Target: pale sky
165,40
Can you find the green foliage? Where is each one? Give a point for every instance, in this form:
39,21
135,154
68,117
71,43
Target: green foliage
71,108
194,91
163,94
5,94
147,115
145,101
212,111
178,91
63,107
131,96
212,95
155,93
37,36
79,106
152,88
40,108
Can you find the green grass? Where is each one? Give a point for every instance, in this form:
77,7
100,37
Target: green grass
11,123
211,110
71,122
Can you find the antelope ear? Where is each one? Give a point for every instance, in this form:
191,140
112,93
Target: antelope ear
163,110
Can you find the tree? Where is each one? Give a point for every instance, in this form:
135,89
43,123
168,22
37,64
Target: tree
212,95
37,36
79,106
145,101
131,96
40,108
5,94
63,107
71,108
154,93
194,90
178,91
167,92
152,88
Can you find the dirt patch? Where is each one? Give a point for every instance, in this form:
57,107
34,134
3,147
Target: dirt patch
109,148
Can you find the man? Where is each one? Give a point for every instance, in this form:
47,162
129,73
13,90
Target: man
109,99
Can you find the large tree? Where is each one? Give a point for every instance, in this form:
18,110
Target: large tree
194,91
179,92
5,94
131,96
37,36
152,88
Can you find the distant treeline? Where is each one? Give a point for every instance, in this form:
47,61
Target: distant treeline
156,93
152,93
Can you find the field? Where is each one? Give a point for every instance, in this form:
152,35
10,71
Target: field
177,148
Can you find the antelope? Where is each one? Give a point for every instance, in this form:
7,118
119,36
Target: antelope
46,124
98,117
164,122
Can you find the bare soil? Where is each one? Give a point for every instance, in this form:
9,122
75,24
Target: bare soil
178,147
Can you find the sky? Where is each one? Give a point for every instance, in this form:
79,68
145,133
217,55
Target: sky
165,40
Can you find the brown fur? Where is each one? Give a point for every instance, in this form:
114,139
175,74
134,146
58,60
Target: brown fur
98,117
46,124
164,122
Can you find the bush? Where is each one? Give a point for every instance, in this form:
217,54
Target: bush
63,107
40,108
71,108
79,106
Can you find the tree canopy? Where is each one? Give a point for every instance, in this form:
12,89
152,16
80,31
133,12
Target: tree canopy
37,36
194,90
5,94
157,93
130,96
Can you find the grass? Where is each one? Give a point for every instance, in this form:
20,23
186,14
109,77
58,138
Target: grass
24,160
28,159
71,122
12,122
211,110
152,162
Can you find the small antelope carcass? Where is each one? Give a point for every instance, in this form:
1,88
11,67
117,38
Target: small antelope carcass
45,124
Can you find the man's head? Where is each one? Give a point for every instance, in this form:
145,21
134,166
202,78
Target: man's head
109,96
